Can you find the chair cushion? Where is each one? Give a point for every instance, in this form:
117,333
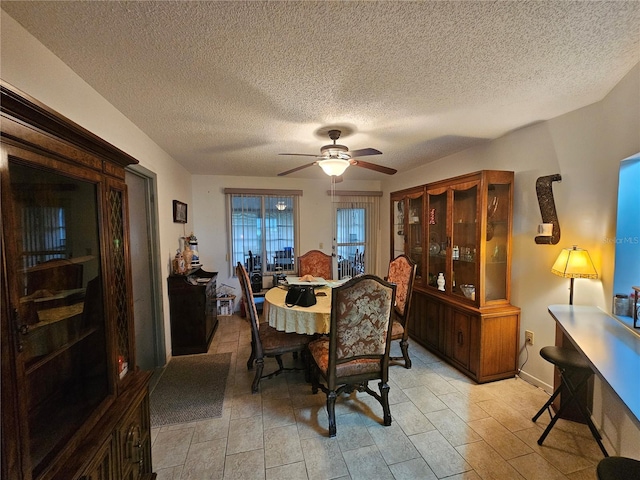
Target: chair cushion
319,350
397,332
275,342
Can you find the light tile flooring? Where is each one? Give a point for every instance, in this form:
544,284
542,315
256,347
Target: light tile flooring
444,426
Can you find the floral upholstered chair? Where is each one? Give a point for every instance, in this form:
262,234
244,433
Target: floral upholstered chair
266,341
316,263
402,272
357,349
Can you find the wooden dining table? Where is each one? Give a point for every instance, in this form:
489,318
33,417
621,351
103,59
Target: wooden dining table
306,320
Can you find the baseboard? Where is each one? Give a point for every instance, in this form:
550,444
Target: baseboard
535,381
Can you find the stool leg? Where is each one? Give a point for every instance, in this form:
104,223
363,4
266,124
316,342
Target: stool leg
572,392
547,405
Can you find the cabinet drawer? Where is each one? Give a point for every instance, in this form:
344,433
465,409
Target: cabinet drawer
133,441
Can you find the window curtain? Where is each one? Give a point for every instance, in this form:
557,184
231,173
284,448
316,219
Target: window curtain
369,203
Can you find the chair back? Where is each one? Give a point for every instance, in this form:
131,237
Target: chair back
316,263
250,307
361,326
402,272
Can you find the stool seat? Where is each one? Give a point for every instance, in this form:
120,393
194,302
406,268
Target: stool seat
618,468
565,358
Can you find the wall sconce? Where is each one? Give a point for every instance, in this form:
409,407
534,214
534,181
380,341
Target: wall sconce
574,263
547,205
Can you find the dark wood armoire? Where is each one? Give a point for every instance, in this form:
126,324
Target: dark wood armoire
74,405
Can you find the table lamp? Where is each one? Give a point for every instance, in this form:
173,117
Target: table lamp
574,263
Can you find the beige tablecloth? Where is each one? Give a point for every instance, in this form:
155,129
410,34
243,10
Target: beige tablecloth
306,320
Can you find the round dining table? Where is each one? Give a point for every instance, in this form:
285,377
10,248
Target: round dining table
305,320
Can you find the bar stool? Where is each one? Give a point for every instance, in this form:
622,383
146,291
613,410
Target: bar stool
575,372
618,468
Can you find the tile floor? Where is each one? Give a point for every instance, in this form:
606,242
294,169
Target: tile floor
444,426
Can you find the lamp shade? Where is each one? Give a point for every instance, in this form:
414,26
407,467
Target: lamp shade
574,263
333,166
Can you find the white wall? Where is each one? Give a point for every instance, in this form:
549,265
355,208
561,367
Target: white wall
30,67
585,147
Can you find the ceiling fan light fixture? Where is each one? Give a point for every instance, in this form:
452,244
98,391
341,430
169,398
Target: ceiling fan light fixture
334,166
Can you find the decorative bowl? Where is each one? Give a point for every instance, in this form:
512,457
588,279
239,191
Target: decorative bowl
469,291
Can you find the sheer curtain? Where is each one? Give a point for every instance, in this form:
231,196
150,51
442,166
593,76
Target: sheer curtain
357,227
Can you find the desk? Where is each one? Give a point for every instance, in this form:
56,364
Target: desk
612,349
305,320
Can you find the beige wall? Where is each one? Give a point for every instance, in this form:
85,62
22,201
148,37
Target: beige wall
584,146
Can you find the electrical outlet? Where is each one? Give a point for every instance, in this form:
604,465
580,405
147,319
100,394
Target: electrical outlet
528,337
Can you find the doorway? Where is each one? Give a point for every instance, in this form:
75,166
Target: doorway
145,268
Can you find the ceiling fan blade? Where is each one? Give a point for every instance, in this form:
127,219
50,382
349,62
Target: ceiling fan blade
373,166
296,169
300,154
364,152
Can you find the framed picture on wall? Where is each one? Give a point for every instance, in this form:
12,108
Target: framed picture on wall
179,212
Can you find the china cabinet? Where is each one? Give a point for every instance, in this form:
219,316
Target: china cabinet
407,227
461,307
74,405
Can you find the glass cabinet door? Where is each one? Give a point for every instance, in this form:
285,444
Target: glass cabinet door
397,213
414,233
437,234
58,295
464,243
497,241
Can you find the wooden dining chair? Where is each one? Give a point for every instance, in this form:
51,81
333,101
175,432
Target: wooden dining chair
402,272
266,341
316,263
357,348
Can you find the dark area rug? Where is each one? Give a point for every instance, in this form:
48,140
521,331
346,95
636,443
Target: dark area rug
190,388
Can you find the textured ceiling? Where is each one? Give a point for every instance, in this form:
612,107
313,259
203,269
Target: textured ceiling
224,87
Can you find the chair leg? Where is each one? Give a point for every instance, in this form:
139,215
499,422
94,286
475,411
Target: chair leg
384,400
314,378
404,346
252,357
256,379
280,364
331,411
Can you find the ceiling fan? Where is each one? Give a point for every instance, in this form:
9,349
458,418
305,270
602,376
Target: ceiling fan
334,159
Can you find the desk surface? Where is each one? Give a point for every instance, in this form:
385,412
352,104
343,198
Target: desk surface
612,349
305,320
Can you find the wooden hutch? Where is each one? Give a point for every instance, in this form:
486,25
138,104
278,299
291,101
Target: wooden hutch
74,405
459,230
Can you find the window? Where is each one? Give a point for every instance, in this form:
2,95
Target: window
263,229
350,240
356,232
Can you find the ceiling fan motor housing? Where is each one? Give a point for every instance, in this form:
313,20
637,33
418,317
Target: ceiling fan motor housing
335,151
